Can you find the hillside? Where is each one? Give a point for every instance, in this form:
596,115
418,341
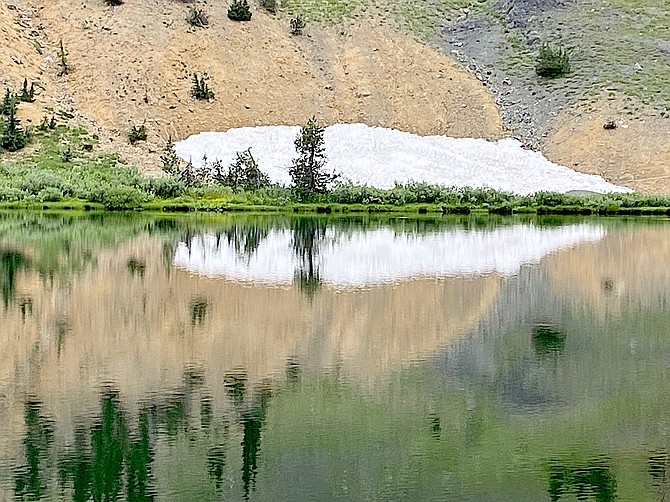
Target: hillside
358,61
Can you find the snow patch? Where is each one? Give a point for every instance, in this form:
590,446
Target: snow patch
380,157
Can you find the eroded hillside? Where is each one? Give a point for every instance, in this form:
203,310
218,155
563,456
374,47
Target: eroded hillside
135,63
359,61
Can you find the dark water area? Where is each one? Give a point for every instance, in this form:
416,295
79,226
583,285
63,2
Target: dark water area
289,358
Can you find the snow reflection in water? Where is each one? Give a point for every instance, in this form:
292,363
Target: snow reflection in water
383,255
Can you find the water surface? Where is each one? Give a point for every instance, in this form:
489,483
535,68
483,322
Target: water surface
286,358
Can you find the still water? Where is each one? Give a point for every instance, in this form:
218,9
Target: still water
285,358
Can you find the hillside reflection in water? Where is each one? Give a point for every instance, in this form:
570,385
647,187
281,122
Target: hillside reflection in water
333,359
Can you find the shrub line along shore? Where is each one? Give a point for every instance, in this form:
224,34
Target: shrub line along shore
65,172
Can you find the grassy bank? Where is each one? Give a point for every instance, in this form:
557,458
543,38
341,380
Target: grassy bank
63,170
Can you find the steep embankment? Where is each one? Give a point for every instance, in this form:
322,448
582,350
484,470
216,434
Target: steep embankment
134,64
620,55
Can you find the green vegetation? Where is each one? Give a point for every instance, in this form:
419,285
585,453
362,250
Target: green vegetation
64,171
8,102
200,89
307,172
170,161
239,10
552,62
137,133
197,18
114,3
27,92
64,67
269,5
242,175
12,136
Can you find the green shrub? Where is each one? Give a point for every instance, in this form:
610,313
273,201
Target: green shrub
117,197
137,133
269,5
27,92
10,193
34,181
242,174
552,63
197,18
200,89
166,187
113,3
50,194
239,10
297,25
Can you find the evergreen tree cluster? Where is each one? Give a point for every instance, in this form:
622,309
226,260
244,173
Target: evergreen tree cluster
13,137
242,174
308,174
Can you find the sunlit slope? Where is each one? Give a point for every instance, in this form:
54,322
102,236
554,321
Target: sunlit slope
136,62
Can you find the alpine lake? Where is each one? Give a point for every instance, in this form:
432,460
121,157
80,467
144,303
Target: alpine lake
288,358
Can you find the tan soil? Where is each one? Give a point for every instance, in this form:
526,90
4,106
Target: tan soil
636,154
260,74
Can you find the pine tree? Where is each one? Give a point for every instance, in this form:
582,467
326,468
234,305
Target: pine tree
27,93
12,136
62,60
171,163
8,103
307,172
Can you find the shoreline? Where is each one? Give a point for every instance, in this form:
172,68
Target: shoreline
325,209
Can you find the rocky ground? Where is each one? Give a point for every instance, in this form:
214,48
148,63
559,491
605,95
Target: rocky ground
499,45
620,58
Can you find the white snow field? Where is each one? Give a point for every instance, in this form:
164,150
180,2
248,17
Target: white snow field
379,157
366,258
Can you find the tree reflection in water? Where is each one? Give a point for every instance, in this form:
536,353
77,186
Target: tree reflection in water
111,455
29,479
307,236
94,466
10,263
594,481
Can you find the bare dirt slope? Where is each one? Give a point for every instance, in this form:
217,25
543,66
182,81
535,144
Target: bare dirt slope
635,154
135,63
20,57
